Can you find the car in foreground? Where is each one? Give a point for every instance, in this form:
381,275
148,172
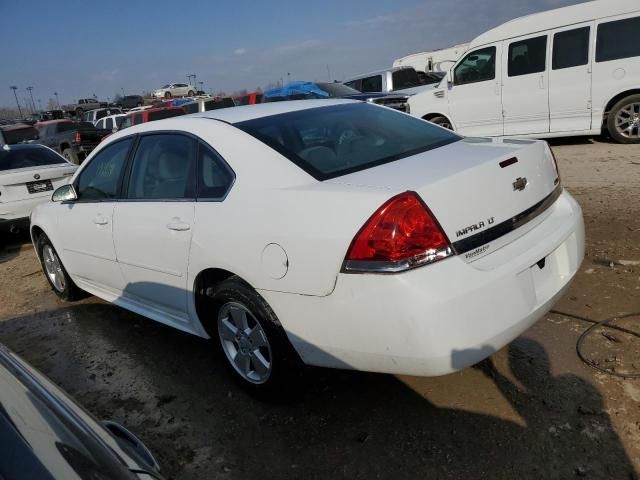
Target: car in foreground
46,435
28,176
175,90
325,232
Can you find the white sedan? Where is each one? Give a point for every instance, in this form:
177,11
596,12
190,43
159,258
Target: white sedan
175,90
28,175
322,232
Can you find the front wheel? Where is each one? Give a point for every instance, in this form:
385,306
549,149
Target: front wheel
623,122
442,121
255,346
57,276
167,94
190,93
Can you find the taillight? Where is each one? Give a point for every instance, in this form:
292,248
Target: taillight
402,234
78,137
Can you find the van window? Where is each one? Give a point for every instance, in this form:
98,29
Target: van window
477,66
618,39
372,84
527,56
570,48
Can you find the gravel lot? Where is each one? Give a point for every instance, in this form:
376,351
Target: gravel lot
534,410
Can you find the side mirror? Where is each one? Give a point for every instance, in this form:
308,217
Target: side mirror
65,193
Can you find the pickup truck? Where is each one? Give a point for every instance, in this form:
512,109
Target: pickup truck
74,140
83,105
398,79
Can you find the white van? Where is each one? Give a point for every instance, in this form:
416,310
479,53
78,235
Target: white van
570,71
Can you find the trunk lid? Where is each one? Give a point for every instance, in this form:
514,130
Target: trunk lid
20,184
479,189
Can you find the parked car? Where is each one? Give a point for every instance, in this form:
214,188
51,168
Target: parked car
149,115
74,140
250,98
207,104
397,79
13,133
131,101
94,115
83,105
564,72
316,90
46,435
175,90
110,122
47,115
282,229
28,176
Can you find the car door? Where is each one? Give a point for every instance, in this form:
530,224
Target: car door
474,96
570,78
86,225
153,222
525,85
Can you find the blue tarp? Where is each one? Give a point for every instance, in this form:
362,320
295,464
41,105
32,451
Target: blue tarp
296,88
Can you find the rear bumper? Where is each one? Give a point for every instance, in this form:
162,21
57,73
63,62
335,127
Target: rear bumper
21,210
443,317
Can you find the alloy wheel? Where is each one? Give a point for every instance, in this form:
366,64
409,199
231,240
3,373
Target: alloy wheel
53,268
627,120
244,343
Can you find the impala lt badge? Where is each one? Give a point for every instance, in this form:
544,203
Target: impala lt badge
520,183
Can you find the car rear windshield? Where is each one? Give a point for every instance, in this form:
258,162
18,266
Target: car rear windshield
27,157
159,115
332,141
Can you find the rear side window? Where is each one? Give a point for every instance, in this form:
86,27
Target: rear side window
328,142
570,48
618,39
214,178
28,157
163,168
100,179
108,123
527,56
477,66
405,78
372,84
354,84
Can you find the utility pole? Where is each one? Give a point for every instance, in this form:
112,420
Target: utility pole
57,101
328,72
201,86
40,104
14,88
30,90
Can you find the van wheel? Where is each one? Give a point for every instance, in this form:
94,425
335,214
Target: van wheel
254,345
623,122
442,121
57,276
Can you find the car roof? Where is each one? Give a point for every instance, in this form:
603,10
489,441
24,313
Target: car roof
52,122
250,112
377,72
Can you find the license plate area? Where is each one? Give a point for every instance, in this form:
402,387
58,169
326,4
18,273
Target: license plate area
39,186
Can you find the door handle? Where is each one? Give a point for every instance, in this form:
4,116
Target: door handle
100,220
542,82
178,226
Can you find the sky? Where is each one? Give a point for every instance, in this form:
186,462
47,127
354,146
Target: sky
79,48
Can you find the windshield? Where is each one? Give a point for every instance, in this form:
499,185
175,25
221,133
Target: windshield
165,86
21,156
337,89
18,135
328,142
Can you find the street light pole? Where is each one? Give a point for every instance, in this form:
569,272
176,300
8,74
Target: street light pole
14,88
201,86
57,101
30,90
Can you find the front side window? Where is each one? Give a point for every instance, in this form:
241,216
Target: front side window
328,142
570,48
618,39
527,56
372,84
163,168
100,179
214,178
477,66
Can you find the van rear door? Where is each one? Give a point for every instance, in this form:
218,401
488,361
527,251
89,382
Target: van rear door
525,84
570,78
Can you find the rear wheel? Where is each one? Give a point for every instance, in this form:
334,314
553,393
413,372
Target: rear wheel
71,156
167,94
623,122
254,344
190,93
442,121
57,276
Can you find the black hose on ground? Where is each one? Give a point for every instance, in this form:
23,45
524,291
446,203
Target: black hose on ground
604,324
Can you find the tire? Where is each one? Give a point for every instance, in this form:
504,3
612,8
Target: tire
79,113
267,367
55,273
70,155
442,121
190,93
623,122
167,94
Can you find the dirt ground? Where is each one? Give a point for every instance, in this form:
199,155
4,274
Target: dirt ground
534,410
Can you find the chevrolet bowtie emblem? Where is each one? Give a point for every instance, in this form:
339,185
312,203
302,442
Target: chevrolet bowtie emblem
520,183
